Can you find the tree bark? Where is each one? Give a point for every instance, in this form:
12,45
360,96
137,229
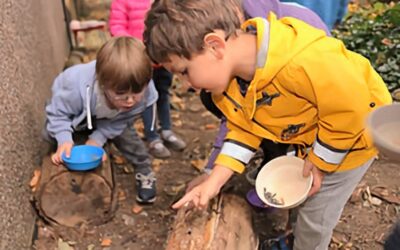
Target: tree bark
225,225
70,198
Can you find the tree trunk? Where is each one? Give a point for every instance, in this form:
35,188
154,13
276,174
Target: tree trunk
70,198
225,225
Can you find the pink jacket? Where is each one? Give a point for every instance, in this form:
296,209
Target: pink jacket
127,17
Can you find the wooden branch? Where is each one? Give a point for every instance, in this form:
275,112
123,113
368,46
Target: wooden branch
225,225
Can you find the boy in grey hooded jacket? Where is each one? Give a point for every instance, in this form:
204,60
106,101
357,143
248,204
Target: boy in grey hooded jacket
103,97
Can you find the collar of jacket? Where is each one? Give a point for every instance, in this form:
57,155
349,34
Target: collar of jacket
262,31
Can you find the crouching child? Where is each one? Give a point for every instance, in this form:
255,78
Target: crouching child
102,98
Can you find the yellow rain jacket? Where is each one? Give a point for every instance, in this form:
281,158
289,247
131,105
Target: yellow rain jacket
308,90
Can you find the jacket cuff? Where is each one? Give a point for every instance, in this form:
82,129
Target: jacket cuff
321,164
230,163
328,153
64,136
98,137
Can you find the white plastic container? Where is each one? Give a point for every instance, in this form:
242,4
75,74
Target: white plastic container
281,184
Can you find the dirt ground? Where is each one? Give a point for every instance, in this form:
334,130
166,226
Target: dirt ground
365,221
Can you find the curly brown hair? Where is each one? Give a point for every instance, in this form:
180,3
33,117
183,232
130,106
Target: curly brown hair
177,27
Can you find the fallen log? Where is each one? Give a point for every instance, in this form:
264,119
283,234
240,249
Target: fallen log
71,198
225,225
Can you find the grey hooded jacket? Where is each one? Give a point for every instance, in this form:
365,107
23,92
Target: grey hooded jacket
73,105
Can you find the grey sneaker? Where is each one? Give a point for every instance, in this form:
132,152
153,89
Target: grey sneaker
145,188
158,150
172,140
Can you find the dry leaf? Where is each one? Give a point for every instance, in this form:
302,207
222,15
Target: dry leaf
175,115
199,164
392,199
136,209
35,179
118,159
174,190
63,245
156,165
139,127
205,114
177,123
194,108
175,99
106,242
210,126
121,195
128,170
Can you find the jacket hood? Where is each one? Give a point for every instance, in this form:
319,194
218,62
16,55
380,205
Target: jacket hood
278,41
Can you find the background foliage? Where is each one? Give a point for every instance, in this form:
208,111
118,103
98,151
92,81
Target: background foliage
374,32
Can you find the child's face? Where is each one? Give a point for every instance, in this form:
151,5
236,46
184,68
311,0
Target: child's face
122,101
203,71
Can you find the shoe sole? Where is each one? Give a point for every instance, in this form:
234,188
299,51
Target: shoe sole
160,157
151,201
173,147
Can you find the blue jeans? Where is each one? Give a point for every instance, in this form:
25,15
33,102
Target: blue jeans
162,80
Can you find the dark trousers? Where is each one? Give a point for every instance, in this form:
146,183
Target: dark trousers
393,241
162,81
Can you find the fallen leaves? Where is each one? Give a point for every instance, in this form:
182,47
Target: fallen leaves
156,165
121,195
210,126
173,190
117,159
106,242
177,103
384,194
63,245
374,195
136,209
198,164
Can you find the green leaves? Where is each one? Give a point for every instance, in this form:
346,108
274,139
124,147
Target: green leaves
374,32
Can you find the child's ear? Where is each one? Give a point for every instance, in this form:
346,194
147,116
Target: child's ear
215,43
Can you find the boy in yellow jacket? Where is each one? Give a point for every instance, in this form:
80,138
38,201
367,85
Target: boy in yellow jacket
282,80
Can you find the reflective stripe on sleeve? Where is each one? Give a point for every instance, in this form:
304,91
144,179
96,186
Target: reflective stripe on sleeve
329,155
236,151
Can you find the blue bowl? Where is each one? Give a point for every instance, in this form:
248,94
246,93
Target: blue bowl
83,157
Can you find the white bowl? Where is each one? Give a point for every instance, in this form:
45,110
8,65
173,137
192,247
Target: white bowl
283,179
384,124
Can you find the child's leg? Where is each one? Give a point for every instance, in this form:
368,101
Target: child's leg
320,213
134,150
163,80
150,129
156,146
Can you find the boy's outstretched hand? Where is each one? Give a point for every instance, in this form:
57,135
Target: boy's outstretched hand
318,176
65,147
94,143
196,181
200,195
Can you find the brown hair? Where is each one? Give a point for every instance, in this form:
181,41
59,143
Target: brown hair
179,26
122,65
